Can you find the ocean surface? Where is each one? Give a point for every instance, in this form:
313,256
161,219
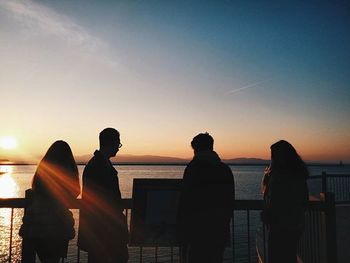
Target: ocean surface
17,178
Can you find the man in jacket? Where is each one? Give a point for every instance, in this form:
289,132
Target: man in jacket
103,231
206,204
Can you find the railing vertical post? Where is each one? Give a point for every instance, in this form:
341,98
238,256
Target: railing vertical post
233,236
324,182
27,249
248,232
264,242
171,254
330,221
11,231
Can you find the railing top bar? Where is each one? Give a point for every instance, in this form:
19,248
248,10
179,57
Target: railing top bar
127,204
342,202
13,202
76,204
338,175
314,177
259,205
311,177
248,204
316,205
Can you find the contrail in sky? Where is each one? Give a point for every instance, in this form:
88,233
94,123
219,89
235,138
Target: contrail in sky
252,85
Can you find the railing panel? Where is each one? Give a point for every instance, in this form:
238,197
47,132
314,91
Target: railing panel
312,245
246,222
339,184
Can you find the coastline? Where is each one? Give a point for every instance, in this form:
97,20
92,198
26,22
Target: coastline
185,163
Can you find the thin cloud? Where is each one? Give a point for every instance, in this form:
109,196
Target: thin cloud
248,86
38,16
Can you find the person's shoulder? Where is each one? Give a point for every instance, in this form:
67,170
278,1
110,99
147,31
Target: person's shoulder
189,166
226,170
93,163
97,159
195,164
224,166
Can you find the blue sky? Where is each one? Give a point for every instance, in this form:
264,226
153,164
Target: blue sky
248,72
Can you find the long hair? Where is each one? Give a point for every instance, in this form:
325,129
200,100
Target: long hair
285,158
56,176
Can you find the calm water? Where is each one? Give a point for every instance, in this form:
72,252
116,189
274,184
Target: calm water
18,178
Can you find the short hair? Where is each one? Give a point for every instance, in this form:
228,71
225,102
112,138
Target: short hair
202,141
108,135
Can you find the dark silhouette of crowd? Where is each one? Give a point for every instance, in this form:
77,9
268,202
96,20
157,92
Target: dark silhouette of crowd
204,212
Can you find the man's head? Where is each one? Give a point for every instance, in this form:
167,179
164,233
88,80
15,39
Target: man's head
202,142
109,142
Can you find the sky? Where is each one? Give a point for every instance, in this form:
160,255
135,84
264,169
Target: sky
248,72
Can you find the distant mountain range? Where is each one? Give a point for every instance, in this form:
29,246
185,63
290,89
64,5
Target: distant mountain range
143,159
154,159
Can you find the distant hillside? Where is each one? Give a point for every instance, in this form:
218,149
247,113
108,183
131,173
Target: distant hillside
4,161
135,159
147,159
154,159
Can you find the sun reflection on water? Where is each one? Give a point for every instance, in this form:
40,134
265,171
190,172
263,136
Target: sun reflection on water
6,169
8,186
9,189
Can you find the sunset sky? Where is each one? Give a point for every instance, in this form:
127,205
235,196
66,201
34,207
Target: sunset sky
248,72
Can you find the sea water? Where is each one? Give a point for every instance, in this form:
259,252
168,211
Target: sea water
15,179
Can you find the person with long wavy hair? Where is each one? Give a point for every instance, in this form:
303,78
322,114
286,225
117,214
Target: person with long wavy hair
48,225
286,194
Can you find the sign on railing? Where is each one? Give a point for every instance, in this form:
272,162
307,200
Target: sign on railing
153,218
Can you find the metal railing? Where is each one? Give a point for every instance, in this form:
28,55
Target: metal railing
318,243
339,184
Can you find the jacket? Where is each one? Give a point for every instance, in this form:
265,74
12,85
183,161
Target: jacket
46,219
102,225
206,201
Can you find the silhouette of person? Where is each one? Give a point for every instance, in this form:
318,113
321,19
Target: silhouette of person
103,230
205,205
48,225
286,195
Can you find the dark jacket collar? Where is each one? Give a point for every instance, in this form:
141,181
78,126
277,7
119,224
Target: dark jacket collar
207,156
100,156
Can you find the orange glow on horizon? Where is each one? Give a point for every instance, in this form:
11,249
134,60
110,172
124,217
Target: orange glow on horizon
228,148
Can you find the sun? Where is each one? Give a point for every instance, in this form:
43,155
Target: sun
8,142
